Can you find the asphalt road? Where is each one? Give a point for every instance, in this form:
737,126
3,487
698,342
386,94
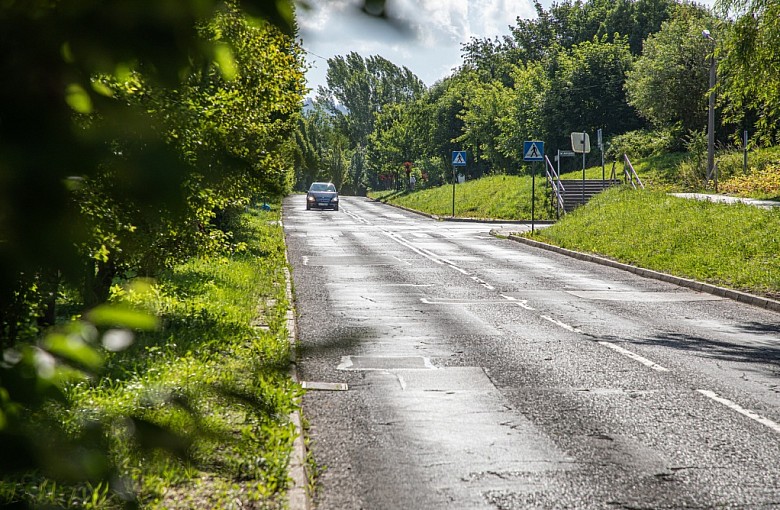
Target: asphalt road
483,373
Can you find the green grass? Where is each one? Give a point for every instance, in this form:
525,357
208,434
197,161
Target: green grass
501,197
211,385
731,245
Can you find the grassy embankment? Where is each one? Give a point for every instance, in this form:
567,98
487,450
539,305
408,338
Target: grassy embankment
736,246
214,374
730,245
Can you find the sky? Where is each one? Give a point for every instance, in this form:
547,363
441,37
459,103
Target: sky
426,38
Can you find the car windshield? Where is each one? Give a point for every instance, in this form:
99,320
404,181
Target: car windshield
322,186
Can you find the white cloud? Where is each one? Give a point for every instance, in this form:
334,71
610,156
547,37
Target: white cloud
426,35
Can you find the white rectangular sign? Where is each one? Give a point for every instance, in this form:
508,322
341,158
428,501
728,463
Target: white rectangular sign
580,142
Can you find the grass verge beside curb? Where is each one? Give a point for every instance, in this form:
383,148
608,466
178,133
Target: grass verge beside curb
458,219
743,297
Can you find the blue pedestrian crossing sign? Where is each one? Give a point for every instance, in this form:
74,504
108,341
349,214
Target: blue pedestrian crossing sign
533,151
458,158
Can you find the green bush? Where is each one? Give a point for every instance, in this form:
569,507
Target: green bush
731,163
642,143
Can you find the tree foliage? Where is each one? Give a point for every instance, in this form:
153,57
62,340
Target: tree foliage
129,133
749,60
362,86
128,129
669,82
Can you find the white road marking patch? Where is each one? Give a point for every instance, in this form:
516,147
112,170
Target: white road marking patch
305,260
634,356
741,410
561,324
385,363
324,386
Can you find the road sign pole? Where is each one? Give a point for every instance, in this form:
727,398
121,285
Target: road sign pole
458,160
453,191
601,148
583,170
533,196
533,151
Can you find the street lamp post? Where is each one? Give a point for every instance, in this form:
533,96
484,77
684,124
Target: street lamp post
711,111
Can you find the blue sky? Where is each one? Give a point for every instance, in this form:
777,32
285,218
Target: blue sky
427,40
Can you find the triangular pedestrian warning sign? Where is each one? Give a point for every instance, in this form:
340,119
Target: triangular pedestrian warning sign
533,151
459,158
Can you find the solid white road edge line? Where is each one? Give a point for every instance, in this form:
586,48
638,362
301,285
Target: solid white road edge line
634,356
741,410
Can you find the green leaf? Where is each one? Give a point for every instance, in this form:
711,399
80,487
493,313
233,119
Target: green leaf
73,348
121,316
78,99
223,55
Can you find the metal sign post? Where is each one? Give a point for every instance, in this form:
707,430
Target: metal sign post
458,159
601,149
533,151
580,142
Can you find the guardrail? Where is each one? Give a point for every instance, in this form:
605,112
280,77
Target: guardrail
631,176
555,183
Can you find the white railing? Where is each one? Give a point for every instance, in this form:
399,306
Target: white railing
631,176
555,183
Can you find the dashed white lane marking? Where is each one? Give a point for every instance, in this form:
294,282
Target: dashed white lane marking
741,410
634,356
561,324
425,253
419,251
358,218
522,303
483,283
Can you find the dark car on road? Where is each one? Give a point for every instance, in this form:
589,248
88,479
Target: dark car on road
322,195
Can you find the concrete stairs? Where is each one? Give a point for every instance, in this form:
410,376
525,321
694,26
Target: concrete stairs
578,192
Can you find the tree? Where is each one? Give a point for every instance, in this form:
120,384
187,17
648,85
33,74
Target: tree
586,91
441,125
62,126
359,87
482,107
231,122
569,23
668,84
523,119
748,65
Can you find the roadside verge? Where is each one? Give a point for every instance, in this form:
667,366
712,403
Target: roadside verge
298,496
742,297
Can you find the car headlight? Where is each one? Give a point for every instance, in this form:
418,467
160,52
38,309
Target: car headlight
335,199
310,198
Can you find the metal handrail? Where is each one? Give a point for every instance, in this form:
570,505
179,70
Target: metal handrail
555,182
633,175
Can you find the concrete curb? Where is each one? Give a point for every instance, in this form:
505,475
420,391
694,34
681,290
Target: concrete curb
742,297
298,497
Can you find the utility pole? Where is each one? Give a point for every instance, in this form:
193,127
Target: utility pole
711,110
